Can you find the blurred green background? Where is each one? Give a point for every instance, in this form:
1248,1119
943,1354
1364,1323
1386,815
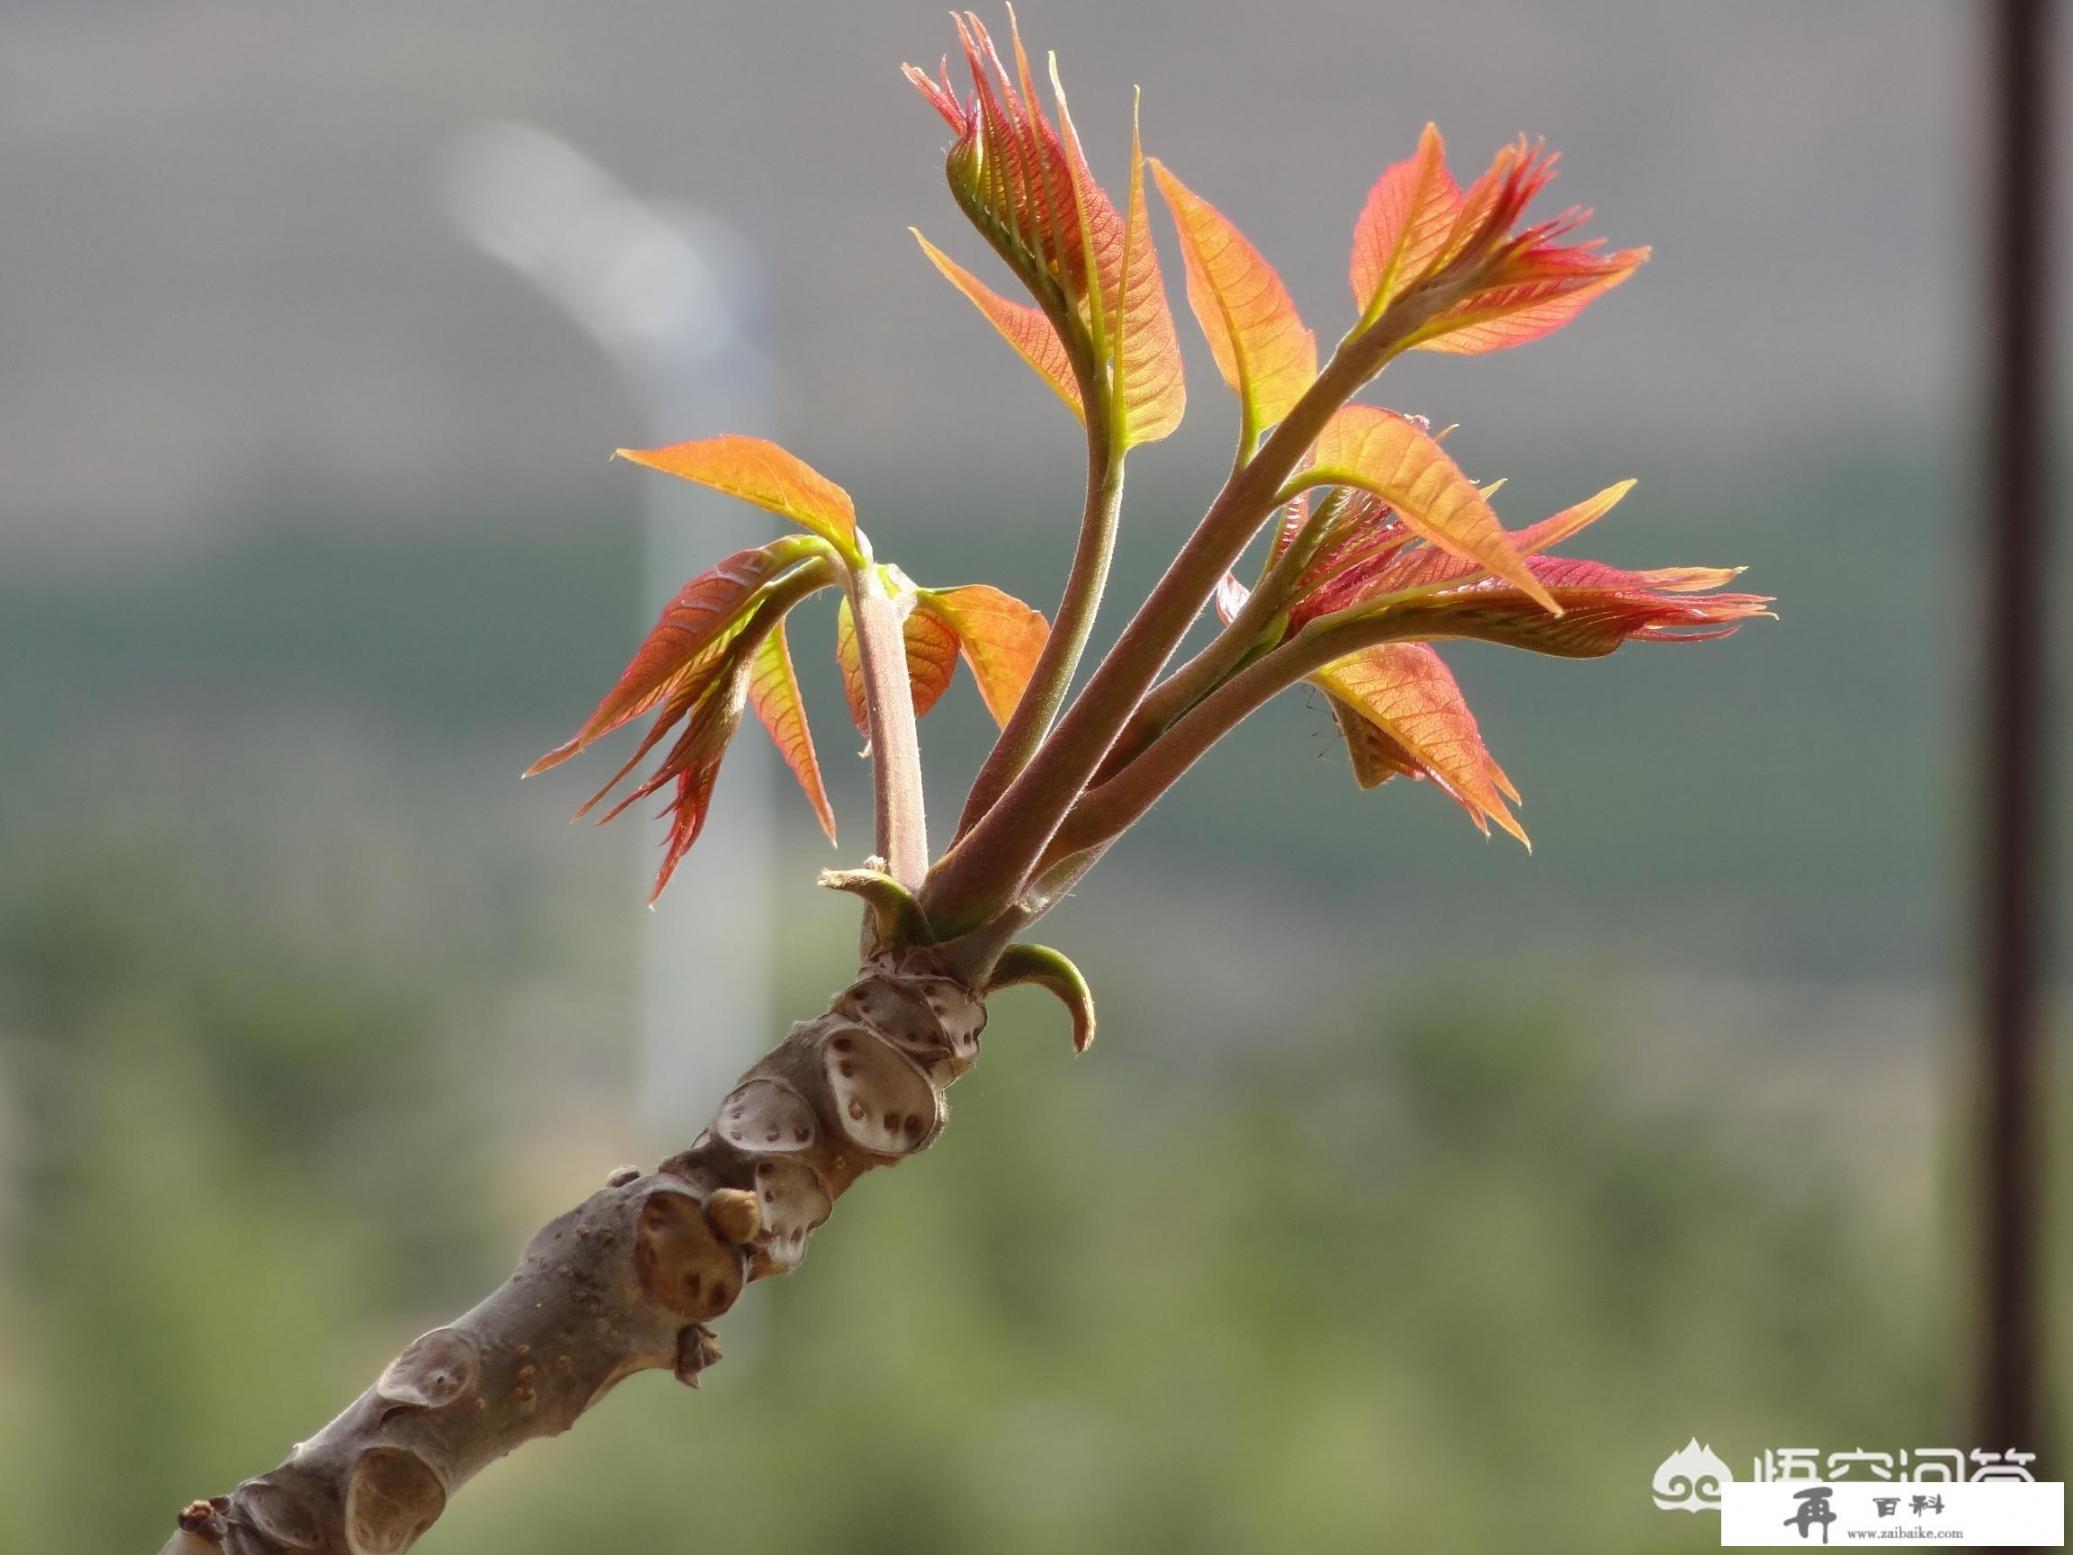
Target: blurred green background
1419,1191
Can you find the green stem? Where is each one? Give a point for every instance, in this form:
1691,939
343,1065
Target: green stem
1060,659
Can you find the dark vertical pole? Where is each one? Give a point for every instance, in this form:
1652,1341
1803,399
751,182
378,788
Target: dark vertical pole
2016,846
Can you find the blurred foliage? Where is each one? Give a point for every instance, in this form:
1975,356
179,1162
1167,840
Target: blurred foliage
1439,1277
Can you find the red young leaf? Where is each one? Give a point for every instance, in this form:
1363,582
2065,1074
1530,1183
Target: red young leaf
1520,285
1602,607
1032,335
707,610
687,813
763,473
1506,287
1373,555
1027,187
1495,201
693,763
1007,167
1293,517
1040,165
1399,461
1404,227
1001,639
699,677
940,95
1402,712
774,693
695,773
1398,707
1260,345
706,670
1363,541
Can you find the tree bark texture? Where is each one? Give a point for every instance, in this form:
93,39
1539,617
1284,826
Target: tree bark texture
627,1281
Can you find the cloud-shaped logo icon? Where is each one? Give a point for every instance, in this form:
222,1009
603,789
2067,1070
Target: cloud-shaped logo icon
1689,1480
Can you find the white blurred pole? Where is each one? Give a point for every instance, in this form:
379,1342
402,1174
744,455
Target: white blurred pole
671,296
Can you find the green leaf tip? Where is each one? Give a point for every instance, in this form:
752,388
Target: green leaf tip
896,916
1051,970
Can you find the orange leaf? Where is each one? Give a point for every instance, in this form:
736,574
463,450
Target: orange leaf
1400,462
1100,228
1512,314
774,694
1147,354
763,473
1571,521
1001,638
849,659
1402,712
1260,345
707,611
1127,316
1025,328
1376,757
1404,228
931,649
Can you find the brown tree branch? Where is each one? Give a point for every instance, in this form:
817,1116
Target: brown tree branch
625,1282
